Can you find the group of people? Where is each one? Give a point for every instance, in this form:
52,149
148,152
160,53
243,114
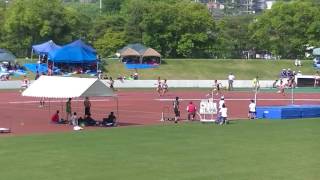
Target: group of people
222,116
192,110
162,87
87,120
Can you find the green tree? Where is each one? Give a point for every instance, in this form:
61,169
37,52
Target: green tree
134,11
286,28
33,21
178,30
109,43
111,6
108,34
233,36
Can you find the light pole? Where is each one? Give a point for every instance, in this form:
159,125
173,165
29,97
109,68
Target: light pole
100,5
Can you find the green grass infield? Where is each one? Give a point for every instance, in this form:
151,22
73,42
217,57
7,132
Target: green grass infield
243,150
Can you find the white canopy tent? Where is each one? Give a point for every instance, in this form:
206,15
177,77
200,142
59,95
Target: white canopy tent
68,87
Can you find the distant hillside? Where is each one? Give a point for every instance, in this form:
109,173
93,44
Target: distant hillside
212,69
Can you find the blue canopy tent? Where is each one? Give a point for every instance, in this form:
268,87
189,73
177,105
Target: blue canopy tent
76,52
45,48
80,43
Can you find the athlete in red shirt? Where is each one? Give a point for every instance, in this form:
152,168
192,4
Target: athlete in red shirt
192,109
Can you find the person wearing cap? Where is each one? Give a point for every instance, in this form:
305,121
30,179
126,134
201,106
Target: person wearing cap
192,109
221,102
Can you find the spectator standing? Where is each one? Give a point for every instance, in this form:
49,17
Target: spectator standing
224,114
191,109
256,84
176,109
136,75
68,109
111,82
87,106
252,110
297,62
231,78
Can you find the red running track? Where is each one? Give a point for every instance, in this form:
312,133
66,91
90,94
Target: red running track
136,107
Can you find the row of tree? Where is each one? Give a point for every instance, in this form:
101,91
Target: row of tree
176,28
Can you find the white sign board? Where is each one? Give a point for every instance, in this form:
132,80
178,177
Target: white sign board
207,106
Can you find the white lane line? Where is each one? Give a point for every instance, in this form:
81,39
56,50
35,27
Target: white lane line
30,102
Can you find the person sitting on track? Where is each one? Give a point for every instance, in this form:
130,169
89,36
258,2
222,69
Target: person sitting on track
74,119
110,121
164,87
89,121
56,118
192,109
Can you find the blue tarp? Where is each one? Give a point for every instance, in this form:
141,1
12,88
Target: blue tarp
140,66
45,48
42,68
75,52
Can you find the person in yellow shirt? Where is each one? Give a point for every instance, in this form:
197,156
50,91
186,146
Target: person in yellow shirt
256,84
